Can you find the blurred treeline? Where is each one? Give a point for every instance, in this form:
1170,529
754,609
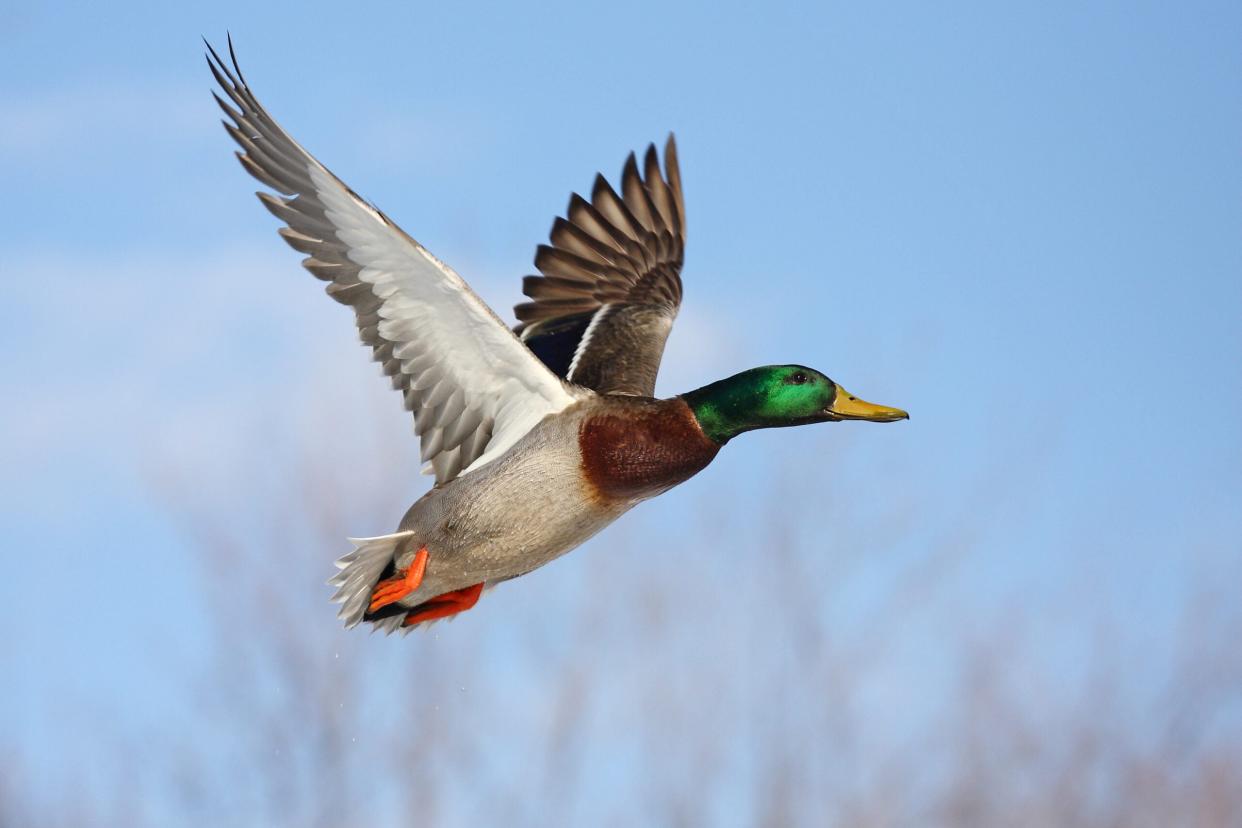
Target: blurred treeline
691,668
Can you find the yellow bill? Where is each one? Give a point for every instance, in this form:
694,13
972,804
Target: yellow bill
845,406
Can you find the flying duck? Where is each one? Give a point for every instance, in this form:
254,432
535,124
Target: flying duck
538,436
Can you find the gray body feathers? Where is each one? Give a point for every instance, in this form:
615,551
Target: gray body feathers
502,520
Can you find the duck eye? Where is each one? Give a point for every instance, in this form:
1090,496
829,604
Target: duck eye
798,378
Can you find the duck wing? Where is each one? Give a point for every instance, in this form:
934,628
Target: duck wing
472,387
610,282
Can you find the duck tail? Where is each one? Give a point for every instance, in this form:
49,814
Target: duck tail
360,570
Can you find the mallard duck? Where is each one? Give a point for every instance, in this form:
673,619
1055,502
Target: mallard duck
538,436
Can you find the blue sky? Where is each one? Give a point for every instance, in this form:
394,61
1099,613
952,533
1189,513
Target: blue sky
1018,221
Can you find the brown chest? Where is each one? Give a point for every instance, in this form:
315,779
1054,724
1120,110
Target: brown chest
642,449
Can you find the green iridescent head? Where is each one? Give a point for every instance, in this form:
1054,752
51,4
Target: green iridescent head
778,395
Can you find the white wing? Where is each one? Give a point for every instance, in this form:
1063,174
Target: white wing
474,389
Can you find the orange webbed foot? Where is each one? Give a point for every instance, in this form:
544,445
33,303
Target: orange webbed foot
442,606
394,589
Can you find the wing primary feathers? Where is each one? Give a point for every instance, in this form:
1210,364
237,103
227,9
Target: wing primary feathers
233,57
258,172
672,173
228,110
610,279
473,388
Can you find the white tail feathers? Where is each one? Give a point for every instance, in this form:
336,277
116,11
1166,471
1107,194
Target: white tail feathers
360,570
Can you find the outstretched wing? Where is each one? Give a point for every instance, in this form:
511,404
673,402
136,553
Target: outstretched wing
472,387
611,280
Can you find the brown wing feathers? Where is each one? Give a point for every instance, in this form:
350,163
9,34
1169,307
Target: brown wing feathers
615,250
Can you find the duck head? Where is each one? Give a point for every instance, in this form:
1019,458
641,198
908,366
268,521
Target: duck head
778,395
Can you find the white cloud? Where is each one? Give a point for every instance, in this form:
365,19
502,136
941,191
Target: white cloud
162,353
46,124
702,348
